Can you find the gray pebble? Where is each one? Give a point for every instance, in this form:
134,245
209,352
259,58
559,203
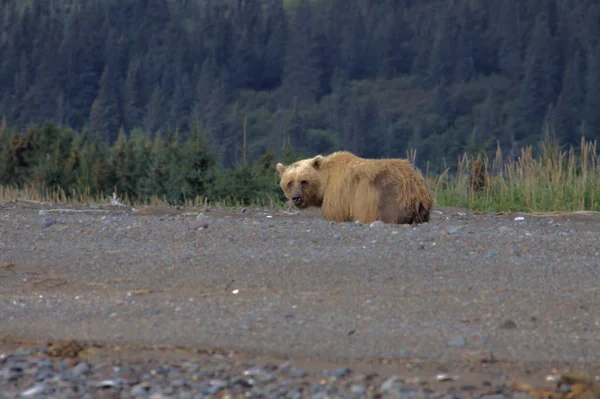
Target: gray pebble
141,389
298,372
394,386
457,341
508,325
341,372
81,369
37,389
48,221
190,367
177,383
201,222
497,396
105,384
357,389
453,229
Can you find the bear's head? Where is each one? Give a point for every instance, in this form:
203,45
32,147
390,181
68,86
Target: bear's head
302,182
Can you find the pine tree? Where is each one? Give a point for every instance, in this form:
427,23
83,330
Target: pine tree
510,60
275,34
451,59
538,90
592,101
122,163
181,104
354,52
105,112
301,72
141,150
133,104
198,164
569,111
154,118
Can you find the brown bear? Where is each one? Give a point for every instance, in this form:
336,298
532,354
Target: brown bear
348,188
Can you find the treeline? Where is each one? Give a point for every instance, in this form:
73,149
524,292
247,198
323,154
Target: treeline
377,77
137,167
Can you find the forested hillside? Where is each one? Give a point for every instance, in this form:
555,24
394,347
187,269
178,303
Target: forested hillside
377,77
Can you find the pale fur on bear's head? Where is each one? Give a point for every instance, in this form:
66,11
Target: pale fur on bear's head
302,182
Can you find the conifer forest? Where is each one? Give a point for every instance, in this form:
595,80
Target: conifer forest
185,98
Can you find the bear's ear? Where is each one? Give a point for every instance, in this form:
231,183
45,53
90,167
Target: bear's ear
317,162
281,168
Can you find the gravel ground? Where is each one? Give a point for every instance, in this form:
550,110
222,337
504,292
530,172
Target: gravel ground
261,303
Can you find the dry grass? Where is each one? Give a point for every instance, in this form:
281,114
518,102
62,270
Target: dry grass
556,180
33,193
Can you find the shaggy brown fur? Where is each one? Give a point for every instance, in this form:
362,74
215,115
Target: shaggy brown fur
348,188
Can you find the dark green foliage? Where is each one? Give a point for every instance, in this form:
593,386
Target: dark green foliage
247,184
136,167
540,84
592,104
374,77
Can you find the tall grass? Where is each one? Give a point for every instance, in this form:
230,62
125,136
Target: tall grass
34,193
555,180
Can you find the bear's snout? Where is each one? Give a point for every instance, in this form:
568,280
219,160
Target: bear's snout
297,199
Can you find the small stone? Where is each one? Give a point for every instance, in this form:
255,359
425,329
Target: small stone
285,367
491,254
377,223
48,221
215,386
565,388
298,372
11,373
256,370
190,367
201,222
453,229
496,396
178,383
394,386
457,341
357,389
81,369
508,325
42,363
141,389
37,389
341,372
23,352
105,384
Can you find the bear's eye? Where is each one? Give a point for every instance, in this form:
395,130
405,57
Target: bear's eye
290,183
303,183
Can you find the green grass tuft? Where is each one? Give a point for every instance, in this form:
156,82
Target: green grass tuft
556,180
